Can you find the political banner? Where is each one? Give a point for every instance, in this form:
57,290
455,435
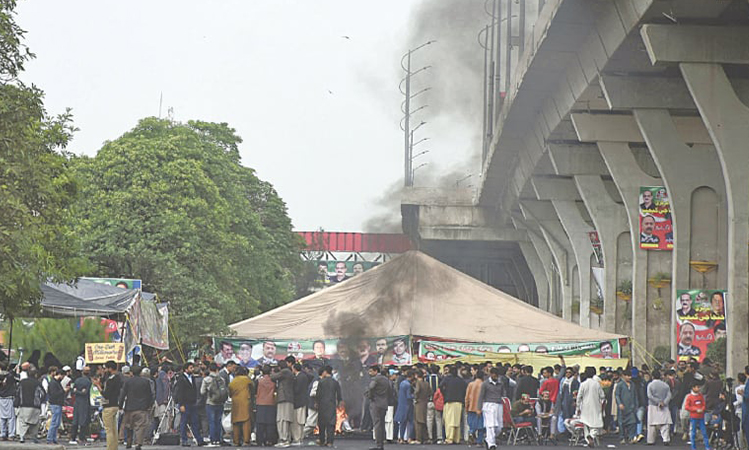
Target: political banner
124,283
252,353
700,320
334,272
154,324
595,242
439,351
349,359
656,230
99,353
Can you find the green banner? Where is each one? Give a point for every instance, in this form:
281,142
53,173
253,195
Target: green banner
439,351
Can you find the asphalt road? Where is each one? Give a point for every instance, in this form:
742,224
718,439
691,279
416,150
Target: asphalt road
363,444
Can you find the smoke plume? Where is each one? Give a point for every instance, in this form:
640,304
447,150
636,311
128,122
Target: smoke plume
455,99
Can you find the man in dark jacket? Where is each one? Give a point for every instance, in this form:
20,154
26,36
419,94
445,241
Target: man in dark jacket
29,398
186,396
82,406
110,393
301,397
527,383
378,394
56,398
136,399
284,401
454,391
328,397
8,384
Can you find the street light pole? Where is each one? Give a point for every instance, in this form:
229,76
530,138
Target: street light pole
406,122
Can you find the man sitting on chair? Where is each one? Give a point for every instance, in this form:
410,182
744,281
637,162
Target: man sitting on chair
522,410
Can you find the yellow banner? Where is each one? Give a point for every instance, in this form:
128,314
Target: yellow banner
99,353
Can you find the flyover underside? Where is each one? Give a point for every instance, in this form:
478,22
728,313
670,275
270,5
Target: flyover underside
607,98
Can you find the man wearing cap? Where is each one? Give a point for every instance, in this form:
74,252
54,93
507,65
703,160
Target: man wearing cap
82,405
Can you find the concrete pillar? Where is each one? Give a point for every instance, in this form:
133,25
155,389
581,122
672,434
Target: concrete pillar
563,196
577,231
550,275
610,220
628,178
544,214
726,119
538,267
683,169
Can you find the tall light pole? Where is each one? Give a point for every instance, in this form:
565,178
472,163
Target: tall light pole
406,108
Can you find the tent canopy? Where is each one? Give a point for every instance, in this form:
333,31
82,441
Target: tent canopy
86,298
414,294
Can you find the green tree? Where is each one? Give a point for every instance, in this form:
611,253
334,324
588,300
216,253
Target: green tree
716,351
36,189
62,337
171,204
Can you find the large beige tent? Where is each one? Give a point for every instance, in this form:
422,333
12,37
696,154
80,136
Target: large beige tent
416,295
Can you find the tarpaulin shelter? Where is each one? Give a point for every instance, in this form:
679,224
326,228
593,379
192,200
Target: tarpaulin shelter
86,298
415,295
145,320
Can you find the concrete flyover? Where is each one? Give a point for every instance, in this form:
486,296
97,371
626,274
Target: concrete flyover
600,99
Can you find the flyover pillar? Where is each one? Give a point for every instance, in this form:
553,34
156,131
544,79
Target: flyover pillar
610,220
684,169
700,52
544,215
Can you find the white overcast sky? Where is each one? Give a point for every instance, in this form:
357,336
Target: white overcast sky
266,67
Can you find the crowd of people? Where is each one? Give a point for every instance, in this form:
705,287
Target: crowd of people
290,401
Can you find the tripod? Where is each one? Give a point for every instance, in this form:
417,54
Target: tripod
166,419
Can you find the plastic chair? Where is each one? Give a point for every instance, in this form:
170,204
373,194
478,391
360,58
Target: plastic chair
520,430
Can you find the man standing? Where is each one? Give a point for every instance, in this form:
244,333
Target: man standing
110,396
473,410
301,397
284,402
186,396
626,401
422,396
490,403
7,411
589,402
434,416
163,394
454,391
216,391
328,397
30,396
136,400
745,406
659,415
82,406
378,394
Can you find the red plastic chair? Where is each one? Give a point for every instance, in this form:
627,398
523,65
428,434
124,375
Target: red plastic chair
517,430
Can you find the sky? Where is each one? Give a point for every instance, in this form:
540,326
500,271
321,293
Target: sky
310,86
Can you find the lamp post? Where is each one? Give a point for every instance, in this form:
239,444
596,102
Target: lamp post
406,108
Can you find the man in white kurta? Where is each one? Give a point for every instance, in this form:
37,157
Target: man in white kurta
590,399
659,416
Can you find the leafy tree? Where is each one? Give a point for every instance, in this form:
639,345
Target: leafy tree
36,189
62,337
716,351
171,204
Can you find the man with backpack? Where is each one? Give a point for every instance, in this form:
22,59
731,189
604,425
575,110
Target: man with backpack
216,391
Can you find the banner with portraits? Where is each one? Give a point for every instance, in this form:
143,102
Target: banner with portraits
700,320
251,353
595,242
349,359
334,272
656,230
440,351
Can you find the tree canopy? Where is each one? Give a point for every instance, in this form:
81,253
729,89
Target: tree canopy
36,189
170,203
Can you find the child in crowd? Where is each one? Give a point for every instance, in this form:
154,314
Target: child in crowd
695,404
